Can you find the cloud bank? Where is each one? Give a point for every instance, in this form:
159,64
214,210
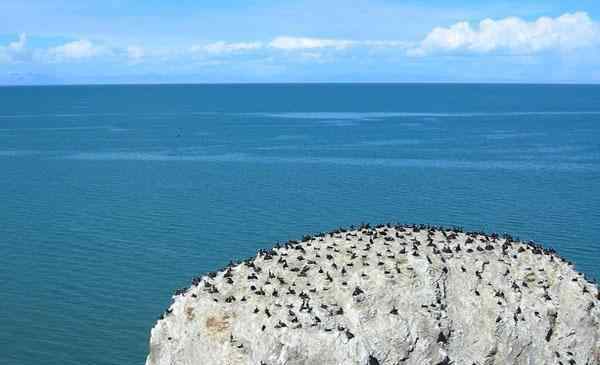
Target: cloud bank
513,35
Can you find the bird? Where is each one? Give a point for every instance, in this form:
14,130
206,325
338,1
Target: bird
349,335
373,360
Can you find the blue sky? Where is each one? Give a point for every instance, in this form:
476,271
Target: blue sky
120,41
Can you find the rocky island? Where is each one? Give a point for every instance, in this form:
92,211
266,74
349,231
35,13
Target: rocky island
390,294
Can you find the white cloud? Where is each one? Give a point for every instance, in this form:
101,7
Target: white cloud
300,43
513,35
510,36
19,44
76,50
225,47
15,51
287,43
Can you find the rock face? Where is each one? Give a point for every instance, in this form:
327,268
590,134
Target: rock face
386,295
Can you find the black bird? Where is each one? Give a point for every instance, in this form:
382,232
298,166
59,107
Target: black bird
373,360
349,335
445,361
180,291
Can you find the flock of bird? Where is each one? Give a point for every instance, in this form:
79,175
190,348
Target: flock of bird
293,285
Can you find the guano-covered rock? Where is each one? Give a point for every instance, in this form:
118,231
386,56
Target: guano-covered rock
386,295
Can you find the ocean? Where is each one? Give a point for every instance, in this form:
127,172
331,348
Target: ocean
111,197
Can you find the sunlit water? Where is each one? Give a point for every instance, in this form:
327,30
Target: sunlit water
111,197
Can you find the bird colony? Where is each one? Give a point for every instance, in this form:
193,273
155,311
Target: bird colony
387,294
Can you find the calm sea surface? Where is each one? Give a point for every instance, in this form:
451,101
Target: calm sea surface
113,196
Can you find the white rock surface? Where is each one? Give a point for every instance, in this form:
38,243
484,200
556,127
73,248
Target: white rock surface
386,295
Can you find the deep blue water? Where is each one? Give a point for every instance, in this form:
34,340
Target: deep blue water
113,196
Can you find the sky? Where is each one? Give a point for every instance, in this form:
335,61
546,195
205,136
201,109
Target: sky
195,41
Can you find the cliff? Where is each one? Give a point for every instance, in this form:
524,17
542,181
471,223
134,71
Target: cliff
386,295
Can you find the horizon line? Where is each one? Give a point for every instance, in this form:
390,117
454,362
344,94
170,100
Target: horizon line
75,84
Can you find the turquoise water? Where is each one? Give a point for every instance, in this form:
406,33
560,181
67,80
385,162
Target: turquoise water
113,196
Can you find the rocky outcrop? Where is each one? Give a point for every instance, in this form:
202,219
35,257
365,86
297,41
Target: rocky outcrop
386,295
